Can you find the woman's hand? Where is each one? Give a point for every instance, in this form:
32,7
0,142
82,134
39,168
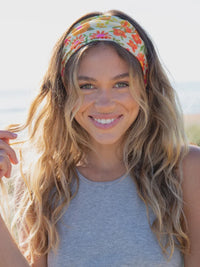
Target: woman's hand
7,154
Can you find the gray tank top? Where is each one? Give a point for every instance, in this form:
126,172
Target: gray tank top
106,225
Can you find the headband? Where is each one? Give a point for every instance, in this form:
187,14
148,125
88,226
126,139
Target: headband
105,28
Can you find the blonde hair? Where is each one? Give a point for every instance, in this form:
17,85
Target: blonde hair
154,146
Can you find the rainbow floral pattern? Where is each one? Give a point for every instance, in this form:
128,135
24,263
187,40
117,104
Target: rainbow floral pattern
105,28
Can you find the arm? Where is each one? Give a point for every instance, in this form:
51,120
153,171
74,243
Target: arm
38,262
41,262
10,254
191,197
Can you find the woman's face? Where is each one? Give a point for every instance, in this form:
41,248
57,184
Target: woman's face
108,108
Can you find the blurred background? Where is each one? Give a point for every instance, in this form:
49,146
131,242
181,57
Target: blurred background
29,30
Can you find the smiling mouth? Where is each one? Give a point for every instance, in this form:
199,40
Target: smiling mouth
105,121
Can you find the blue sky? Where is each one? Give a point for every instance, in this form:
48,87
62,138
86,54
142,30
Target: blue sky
29,30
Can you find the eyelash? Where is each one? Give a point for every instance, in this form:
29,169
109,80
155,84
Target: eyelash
125,84
85,86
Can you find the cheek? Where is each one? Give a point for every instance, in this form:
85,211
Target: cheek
79,119
81,106
129,102
86,101
132,108
81,112
133,104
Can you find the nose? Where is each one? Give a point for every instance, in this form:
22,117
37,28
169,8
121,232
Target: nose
104,102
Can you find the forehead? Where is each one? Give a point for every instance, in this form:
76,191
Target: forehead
102,58
106,47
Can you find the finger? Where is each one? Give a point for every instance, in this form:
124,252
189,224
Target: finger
5,166
4,147
2,172
9,168
7,135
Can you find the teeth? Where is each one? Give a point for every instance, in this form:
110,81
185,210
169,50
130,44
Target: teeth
104,121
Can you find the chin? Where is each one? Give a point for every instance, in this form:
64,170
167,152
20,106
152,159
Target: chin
107,141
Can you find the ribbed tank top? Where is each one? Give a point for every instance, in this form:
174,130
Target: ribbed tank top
106,225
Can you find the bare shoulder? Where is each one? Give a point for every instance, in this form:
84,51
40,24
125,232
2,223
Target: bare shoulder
41,262
191,163
191,200
191,181
193,153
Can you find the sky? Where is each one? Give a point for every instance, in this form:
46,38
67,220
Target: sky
30,29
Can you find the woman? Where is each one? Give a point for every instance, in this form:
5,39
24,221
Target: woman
113,182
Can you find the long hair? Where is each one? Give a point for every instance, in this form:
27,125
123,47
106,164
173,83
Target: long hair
154,146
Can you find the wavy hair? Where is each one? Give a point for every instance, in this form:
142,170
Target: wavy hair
153,149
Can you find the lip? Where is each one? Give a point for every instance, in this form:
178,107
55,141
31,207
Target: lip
105,116
108,125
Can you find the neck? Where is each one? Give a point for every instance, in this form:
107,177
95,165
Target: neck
103,164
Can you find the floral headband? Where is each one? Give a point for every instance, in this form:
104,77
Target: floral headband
105,28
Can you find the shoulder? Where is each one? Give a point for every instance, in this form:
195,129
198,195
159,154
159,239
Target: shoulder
191,203
193,154
191,178
191,164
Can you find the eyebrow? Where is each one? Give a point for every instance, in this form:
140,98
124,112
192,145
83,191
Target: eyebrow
119,76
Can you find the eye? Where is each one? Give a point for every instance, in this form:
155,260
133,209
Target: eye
87,86
121,85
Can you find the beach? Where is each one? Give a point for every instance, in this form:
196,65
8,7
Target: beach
191,119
